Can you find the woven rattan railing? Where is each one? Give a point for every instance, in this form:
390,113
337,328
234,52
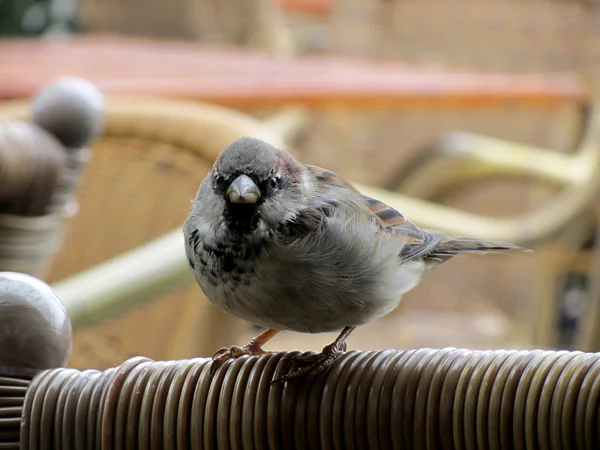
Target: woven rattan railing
416,399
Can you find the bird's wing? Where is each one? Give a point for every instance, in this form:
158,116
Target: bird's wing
330,178
419,242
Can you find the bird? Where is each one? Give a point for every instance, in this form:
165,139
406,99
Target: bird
292,246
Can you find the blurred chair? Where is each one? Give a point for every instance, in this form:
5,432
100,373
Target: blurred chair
145,169
561,225
460,158
41,160
122,272
424,214
490,35
31,162
124,247
158,266
507,35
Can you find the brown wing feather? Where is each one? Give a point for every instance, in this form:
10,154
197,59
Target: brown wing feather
418,241
331,178
433,247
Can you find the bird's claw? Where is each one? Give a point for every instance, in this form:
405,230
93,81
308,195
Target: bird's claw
234,352
313,364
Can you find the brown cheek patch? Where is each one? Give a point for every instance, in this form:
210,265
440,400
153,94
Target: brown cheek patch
288,167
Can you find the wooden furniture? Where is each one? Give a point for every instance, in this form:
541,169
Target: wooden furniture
251,79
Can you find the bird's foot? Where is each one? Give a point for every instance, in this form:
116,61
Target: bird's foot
254,347
234,352
311,365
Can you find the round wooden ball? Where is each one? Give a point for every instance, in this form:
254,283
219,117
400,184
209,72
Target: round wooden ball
35,329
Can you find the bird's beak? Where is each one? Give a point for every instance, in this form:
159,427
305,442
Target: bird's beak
243,190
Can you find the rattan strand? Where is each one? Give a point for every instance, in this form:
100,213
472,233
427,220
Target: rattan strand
12,395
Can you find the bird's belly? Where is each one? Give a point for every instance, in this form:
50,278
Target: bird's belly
305,306
277,290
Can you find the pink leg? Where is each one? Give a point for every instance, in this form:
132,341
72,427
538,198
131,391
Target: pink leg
254,347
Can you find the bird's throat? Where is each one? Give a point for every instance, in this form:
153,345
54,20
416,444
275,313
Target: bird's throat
242,218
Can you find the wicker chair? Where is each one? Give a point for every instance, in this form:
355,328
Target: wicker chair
124,247
563,225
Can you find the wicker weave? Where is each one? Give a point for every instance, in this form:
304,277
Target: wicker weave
416,399
144,171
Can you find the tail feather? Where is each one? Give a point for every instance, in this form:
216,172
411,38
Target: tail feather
449,248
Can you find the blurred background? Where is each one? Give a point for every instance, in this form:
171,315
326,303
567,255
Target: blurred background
475,118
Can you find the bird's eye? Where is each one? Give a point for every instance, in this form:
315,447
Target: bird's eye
276,182
219,180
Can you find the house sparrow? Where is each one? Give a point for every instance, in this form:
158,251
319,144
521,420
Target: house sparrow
295,247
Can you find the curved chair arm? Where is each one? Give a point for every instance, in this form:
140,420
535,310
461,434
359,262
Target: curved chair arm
111,288
465,156
474,156
515,158
191,122
124,281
